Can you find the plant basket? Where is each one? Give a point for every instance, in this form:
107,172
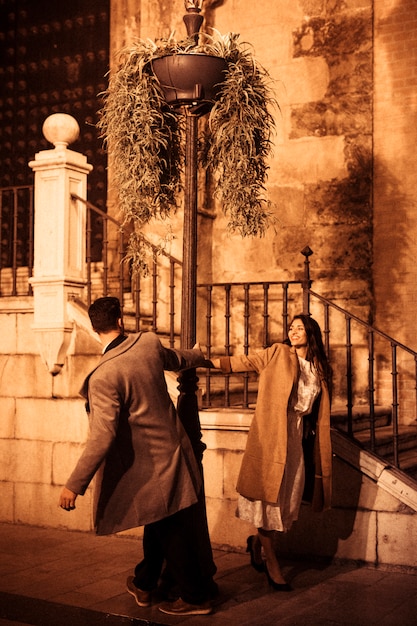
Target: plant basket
185,78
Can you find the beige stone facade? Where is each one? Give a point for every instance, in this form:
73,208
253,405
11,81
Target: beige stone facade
394,222
342,178
343,182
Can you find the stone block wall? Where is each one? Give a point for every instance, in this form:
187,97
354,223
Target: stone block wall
319,57
320,179
43,423
341,178
395,189
365,524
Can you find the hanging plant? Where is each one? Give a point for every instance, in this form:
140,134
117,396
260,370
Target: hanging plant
145,137
239,143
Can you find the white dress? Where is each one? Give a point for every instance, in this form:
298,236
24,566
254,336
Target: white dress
280,516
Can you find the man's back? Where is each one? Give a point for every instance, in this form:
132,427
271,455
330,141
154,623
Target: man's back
150,470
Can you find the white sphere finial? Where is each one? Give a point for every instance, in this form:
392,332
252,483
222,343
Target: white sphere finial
61,129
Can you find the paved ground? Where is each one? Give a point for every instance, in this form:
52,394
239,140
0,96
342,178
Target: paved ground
59,578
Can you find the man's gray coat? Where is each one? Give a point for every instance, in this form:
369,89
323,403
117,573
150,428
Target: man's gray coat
147,467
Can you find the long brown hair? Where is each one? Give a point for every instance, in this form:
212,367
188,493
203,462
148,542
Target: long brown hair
315,347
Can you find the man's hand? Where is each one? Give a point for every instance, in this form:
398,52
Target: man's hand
208,363
67,499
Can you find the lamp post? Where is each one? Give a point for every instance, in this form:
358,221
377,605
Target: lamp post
187,403
189,274
190,83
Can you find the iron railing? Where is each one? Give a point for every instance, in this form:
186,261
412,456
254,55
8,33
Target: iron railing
140,296
242,317
375,376
153,301
16,240
380,396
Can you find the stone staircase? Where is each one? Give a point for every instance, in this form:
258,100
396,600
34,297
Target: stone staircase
384,445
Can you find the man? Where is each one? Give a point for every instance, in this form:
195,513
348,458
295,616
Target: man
146,468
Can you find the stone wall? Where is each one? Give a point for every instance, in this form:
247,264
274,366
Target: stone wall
320,59
43,422
395,189
342,177
320,177
365,524
368,521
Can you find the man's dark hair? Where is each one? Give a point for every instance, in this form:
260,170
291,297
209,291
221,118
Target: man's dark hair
104,313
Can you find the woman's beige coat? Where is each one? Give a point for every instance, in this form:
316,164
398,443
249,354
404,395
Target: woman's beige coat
264,459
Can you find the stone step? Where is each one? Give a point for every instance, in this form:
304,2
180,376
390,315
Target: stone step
408,462
384,445
360,417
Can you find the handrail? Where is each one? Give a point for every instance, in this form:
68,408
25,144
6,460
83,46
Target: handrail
333,305
255,314
119,224
16,240
398,397
117,282
252,282
106,219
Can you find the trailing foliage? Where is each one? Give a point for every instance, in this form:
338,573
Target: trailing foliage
145,137
239,141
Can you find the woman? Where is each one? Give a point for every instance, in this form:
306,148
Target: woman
291,420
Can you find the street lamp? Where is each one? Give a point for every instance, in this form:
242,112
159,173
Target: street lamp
190,83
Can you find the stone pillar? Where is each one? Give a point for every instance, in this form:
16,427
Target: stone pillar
60,239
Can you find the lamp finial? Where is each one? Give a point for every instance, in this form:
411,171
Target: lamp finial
192,19
193,6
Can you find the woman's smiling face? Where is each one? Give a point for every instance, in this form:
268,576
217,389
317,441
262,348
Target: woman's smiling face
297,334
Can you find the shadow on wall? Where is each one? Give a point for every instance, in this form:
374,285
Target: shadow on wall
336,533
210,13
393,243
337,224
